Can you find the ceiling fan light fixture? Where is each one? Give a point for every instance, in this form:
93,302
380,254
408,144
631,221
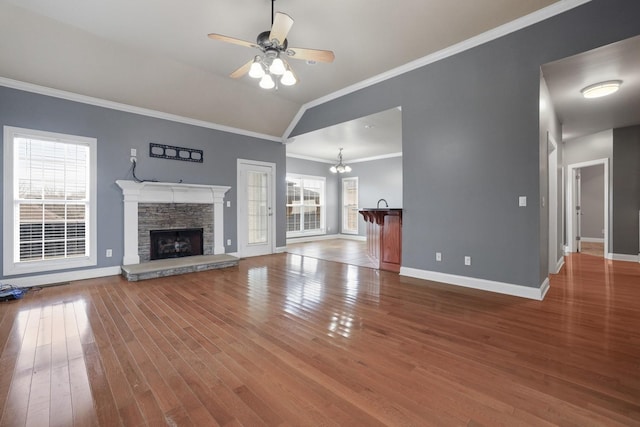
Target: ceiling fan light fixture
270,66
267,82
277,67
256,71
288,78
601,89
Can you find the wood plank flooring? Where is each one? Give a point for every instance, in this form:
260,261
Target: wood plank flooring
347,251
293,340
593,248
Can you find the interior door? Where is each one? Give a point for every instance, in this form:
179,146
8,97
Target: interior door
256,208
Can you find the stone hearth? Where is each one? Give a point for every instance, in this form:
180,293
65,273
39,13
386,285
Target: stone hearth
175,266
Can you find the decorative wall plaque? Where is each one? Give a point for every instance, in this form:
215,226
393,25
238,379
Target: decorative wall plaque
170,152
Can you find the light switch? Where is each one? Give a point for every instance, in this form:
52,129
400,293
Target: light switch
522,201
228,203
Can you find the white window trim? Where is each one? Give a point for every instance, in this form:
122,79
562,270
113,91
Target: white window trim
323,208
343,229
10,267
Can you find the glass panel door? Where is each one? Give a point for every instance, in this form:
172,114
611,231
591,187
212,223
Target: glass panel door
257,207
256,212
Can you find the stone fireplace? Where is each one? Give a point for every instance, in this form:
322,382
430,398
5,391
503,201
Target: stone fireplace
171,207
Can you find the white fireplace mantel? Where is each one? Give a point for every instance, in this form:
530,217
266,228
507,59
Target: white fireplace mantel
168,192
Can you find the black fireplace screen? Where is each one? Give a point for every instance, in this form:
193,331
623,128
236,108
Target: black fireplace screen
175,243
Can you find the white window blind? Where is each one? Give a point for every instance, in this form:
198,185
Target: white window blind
52,198
50,193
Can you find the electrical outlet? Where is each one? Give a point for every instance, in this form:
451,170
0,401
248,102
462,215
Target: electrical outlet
109,253
132,159
438,256
228,242
134,152
467,260
228,203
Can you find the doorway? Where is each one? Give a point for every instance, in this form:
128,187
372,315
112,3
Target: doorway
256,208
554,264
584,222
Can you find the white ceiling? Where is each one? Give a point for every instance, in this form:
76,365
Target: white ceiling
377,135
566,77
155,53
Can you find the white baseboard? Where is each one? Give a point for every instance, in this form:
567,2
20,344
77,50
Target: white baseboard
281,249
352,237
566,250
623,257
482,284
559,265
592,239
304,239
69,276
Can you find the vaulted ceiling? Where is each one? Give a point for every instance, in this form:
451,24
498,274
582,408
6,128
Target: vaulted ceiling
155,54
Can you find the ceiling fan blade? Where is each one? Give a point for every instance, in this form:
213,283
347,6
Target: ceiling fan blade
242,70
311,54
228,39
282,23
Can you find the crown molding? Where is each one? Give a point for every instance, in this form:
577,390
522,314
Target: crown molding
490,35
313,159
332,162
380,157
70,96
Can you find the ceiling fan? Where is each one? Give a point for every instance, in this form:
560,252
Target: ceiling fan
270,66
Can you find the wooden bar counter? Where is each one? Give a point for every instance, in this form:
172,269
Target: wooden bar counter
384,237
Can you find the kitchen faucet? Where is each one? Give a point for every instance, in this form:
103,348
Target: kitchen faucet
385,203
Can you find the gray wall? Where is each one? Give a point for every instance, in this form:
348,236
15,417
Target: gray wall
626,181
377,179
308,167
592,202
117,132
471,133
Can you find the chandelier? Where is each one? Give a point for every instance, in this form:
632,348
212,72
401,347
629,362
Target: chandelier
270,69
340,167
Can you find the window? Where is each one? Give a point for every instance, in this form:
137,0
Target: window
49,201
305,205
350,205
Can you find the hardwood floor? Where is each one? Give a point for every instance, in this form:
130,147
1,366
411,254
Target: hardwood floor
593,248
292,340
340,250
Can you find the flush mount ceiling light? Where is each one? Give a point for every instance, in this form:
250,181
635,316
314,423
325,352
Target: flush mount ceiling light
270,66
601,89
340,167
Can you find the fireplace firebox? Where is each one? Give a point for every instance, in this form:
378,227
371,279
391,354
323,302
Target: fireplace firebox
175,243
